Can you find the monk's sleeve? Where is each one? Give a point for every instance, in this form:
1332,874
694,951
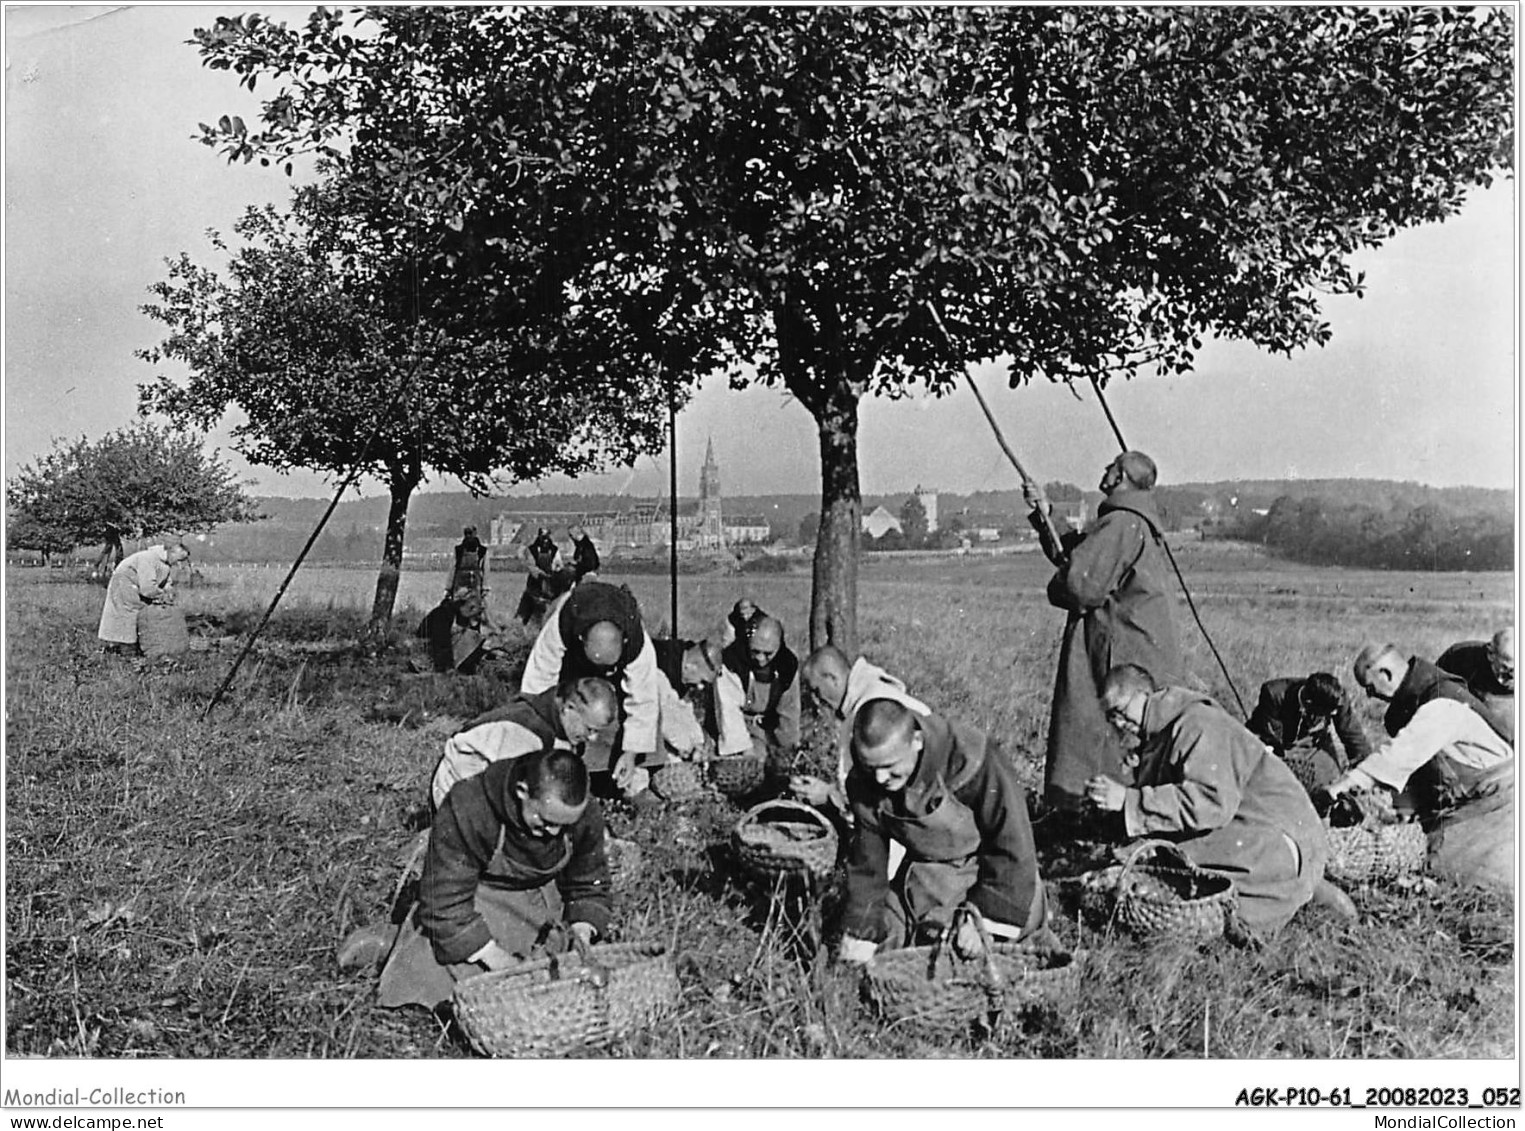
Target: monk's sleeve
729,697
1058,595
787,728
472,751
584,883
543,669
1101,559
1435,725
1262,719
1047,529
640,727
868,873
1502,714
1206,797
461,842
1007,880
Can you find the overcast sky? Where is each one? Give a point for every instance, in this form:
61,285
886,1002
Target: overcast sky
103,181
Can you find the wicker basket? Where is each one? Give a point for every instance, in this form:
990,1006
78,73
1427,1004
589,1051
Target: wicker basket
1158,901
555,1006
677,781
162,631
785,838
738,774
930,987
1375,851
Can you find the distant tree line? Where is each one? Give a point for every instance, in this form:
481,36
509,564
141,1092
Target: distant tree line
1425,537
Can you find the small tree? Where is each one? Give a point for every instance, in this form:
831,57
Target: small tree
134,482
320,332
913,522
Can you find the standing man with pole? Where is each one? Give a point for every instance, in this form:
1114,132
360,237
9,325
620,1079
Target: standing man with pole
1111,583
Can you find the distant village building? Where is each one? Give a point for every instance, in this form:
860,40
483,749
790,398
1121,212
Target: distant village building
647,523
983,526
1075,513
928,500
502,530
879,522
747,528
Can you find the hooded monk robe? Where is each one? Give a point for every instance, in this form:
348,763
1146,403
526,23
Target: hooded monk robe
488,878
558,656
1210,786
962,820
1464,785
1113,587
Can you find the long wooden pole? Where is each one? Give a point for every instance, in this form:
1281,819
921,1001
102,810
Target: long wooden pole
672,507
1054,545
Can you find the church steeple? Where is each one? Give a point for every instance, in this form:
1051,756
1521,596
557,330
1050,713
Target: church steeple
711,525
709,474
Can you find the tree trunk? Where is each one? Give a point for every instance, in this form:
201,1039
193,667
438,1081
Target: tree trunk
111,554
834,591
829,383
401,488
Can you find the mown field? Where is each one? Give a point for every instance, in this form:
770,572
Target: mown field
176,885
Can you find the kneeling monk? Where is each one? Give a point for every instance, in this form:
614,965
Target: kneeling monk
1204,782
947,794
514,850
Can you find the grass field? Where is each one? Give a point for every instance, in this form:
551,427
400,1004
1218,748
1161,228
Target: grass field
176,886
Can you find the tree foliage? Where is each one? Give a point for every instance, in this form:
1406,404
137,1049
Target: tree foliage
137,481
317,332
913,522
1087,191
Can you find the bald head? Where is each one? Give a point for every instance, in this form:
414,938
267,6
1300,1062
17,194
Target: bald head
1124,697
701,663
1131,469
887,743
1138,469
825,672
603,644
766,639
768,629
1501,657
1125,681
1379,670
594,698
586,707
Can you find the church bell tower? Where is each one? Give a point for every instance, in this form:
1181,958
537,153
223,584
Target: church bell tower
711,528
